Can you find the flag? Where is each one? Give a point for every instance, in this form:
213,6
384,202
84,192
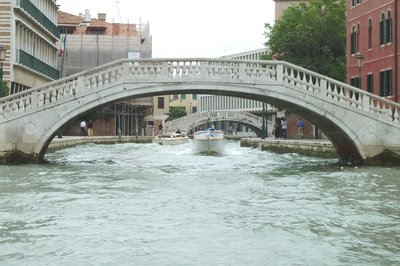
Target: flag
63,45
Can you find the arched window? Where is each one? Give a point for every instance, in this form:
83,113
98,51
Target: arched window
382,30
389,27
385,33
370,33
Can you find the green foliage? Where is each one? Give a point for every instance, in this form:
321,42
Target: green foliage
176,112
312,35
6,89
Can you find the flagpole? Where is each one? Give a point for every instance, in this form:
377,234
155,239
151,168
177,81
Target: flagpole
63,55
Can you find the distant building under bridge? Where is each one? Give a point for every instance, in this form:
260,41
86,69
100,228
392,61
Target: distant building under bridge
88,42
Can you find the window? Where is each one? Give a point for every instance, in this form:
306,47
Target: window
194,109
388,33
370,83
385,83
183,96
385,33
355,82
175,97
194,96
355,2
370,34
353,41
160,104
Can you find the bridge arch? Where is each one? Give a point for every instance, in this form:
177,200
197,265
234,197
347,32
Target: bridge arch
194,120
360,125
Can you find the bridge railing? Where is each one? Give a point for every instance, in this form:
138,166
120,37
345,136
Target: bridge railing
189,121
133,70
339,92
217,70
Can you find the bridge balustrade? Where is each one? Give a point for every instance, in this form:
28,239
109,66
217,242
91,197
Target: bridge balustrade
128,70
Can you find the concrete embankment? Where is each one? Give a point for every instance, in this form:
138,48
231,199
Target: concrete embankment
71,141
309,147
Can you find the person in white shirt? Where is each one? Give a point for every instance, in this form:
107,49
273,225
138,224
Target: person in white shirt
83,128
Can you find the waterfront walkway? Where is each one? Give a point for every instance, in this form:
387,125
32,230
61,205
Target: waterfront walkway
311,147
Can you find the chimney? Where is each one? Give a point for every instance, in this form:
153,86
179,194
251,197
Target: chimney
87,17
101,16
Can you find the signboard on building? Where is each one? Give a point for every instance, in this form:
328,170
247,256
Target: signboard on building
134,55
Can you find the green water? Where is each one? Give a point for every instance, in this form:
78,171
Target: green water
147,204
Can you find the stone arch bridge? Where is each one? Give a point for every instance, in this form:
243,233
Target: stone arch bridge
363,128
191,121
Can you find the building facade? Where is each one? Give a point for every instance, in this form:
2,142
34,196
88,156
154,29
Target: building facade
87,42
282,5
28,30
372,46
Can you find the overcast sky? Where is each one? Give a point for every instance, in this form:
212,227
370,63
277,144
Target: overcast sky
189,28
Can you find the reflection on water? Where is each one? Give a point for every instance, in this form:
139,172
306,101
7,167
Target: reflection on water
148,204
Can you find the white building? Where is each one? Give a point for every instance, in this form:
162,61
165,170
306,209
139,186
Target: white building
28,29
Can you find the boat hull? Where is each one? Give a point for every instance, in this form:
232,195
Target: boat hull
171,139
209,141
209,146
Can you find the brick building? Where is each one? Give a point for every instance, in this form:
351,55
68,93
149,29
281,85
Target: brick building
372,46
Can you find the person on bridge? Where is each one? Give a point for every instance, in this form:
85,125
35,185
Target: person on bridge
300,128
83,128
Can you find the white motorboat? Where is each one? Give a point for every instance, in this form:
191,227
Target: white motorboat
209,141
171,139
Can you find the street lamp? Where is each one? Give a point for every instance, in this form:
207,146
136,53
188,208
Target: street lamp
3,51
359,57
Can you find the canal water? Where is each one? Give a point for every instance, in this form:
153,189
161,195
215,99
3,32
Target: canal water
146,204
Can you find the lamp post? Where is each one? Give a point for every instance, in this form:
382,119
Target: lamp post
359,57
3,51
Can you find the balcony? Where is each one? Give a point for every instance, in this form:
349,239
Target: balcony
32,10
32,62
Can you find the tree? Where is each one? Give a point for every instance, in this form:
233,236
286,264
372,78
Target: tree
311,35
176,112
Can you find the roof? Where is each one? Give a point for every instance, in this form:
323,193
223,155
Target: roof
65,18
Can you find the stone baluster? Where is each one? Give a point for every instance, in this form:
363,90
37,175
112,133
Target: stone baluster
29,102
322,87
388,111
101,79
158,70
21,105
396,115
1,111
53,95
7,110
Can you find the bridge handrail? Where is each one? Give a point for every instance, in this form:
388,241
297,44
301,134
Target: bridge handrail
341,92
222,70
189,121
